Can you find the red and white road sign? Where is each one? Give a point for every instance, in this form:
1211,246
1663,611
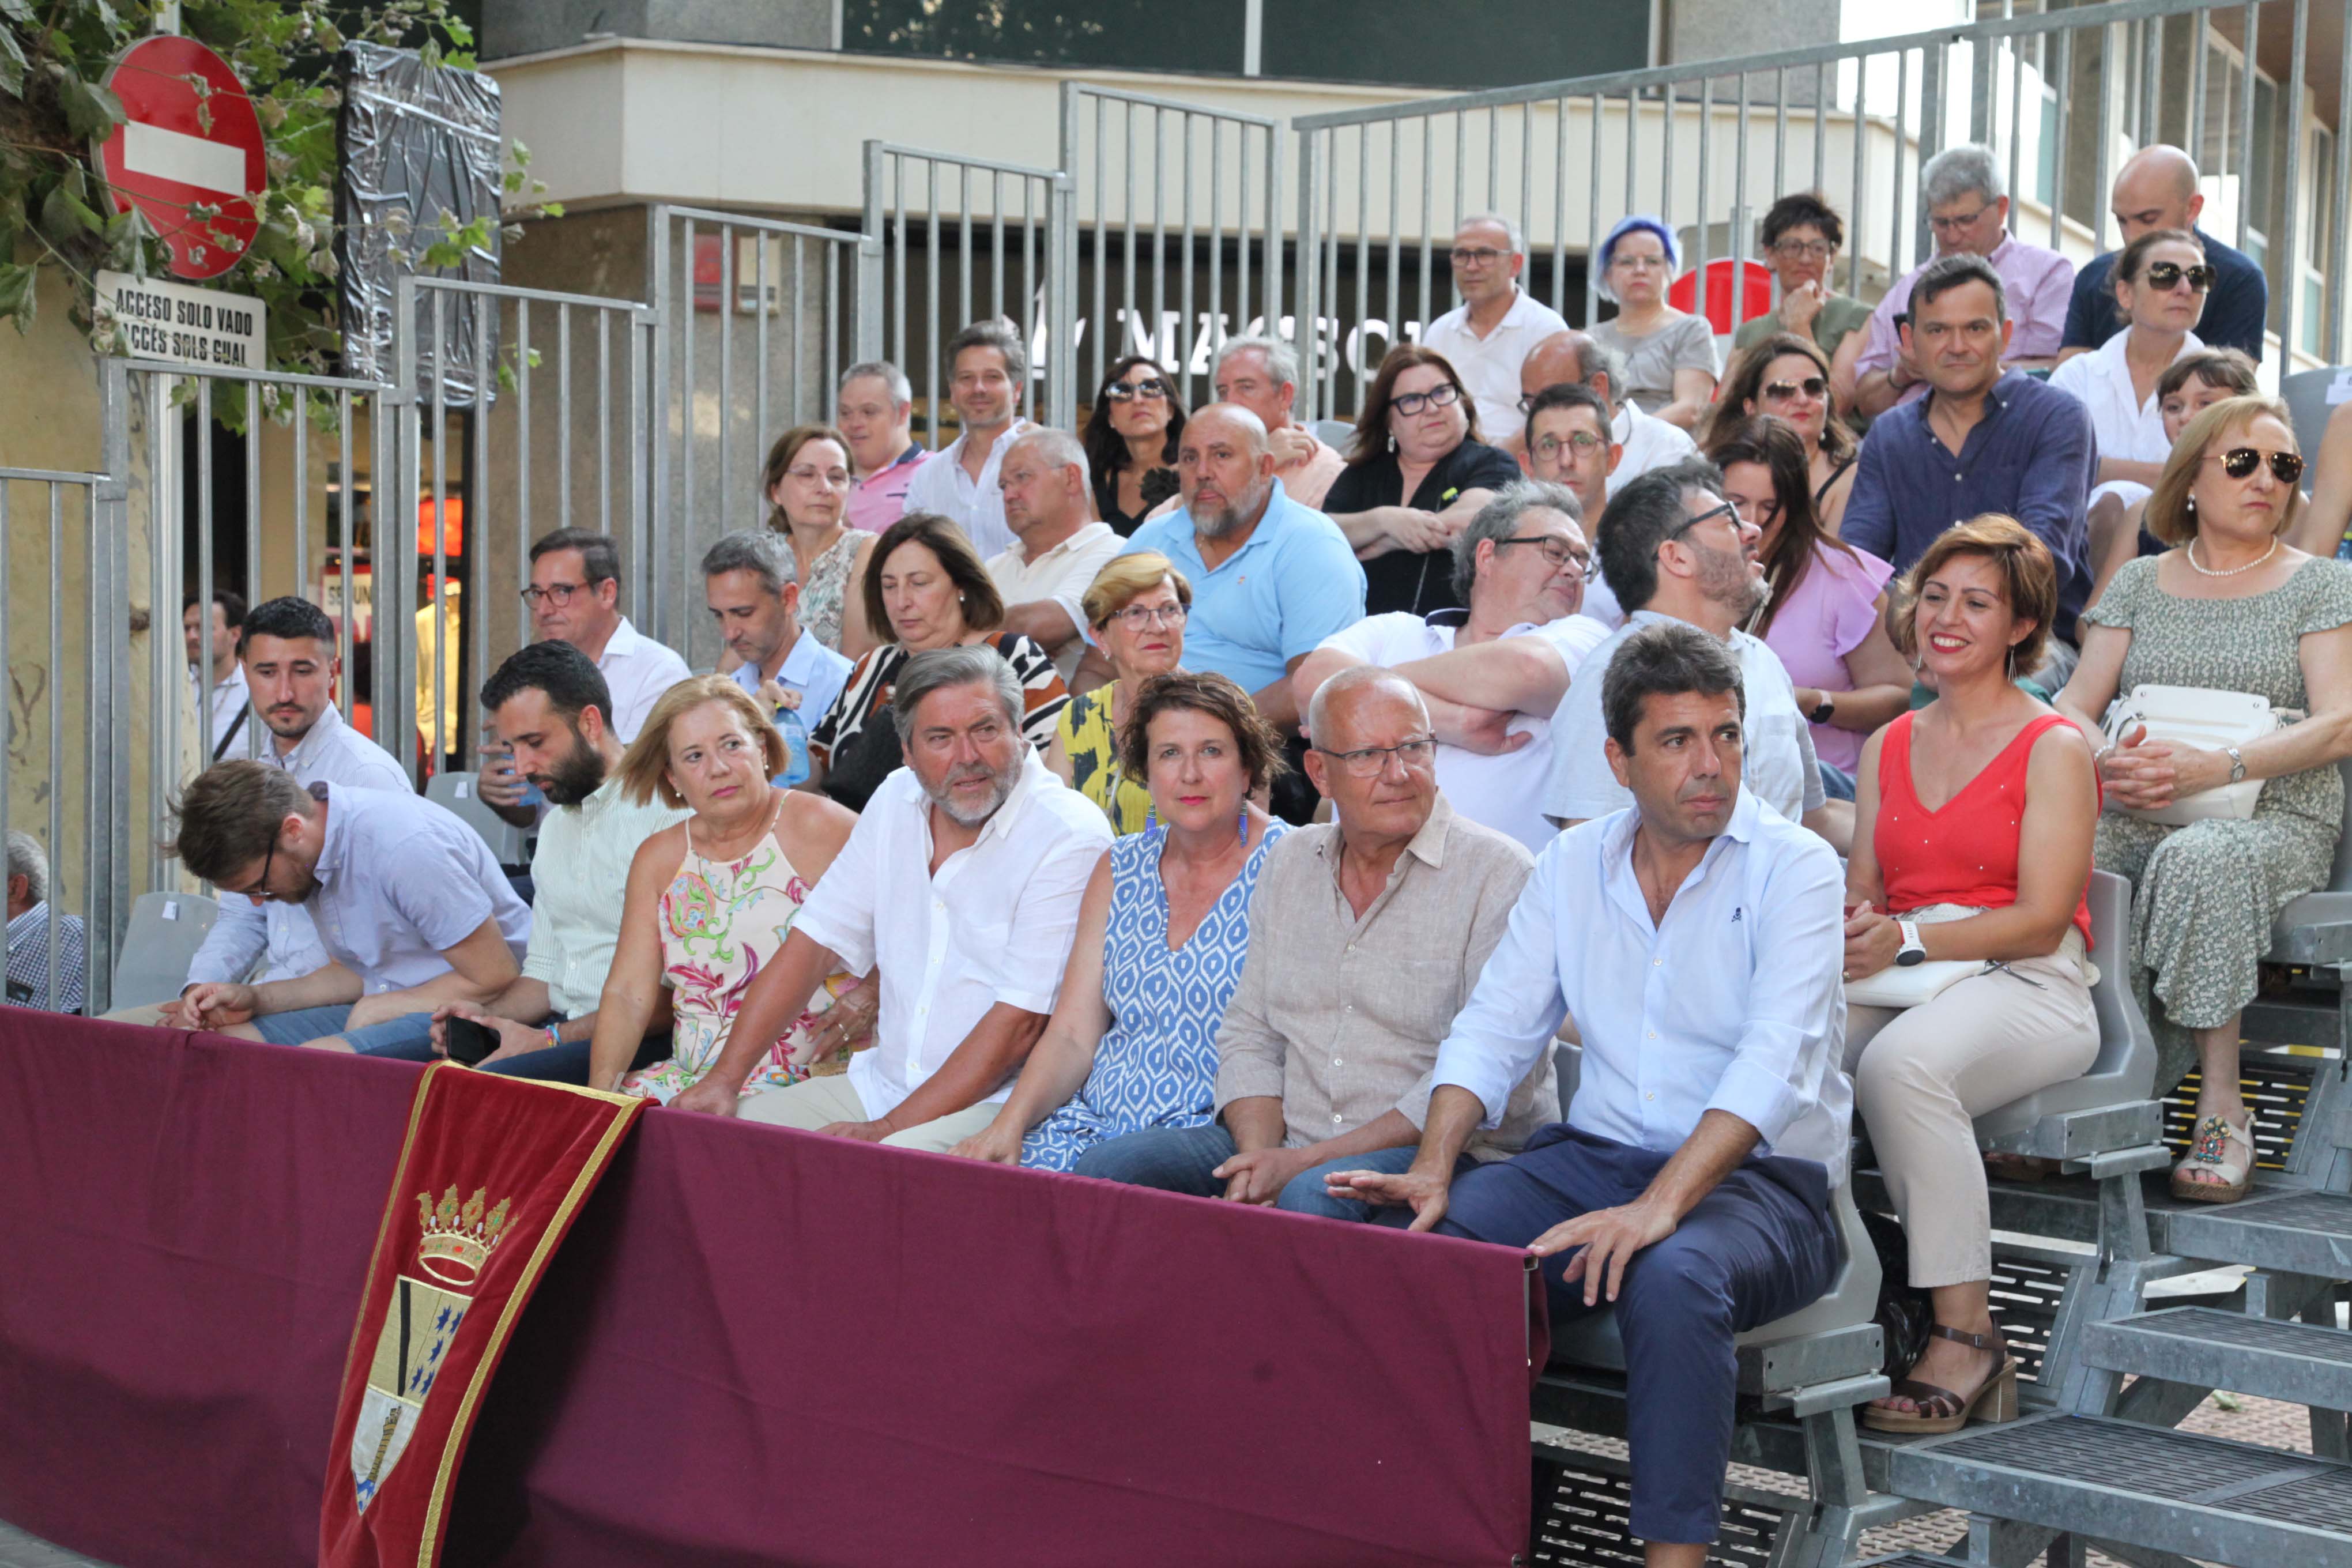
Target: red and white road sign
182,150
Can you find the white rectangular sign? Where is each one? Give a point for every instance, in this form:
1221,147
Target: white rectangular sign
167,321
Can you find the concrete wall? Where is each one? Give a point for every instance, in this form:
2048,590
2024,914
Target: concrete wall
528,27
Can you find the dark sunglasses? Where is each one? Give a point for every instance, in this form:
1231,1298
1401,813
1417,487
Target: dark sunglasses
2165,275
1150,386
1811,386
2239,462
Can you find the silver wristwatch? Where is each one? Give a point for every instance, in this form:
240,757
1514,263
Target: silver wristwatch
2237,764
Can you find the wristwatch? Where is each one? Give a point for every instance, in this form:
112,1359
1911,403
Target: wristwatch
1913,949
1824,709
2237,764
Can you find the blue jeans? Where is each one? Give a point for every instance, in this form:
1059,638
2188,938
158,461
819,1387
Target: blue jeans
1836,783
1181,1160
302,1024
1758,1248
409,1038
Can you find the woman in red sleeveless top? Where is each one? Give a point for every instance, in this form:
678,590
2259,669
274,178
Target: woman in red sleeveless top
1974,819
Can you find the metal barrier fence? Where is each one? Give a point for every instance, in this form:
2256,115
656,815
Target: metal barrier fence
1024,215
754,320
2060,95
1226,172
84,813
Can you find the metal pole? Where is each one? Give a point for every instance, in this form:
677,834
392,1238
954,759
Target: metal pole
2200,46
2250,32
523,450
1302,326
2058,159
2290,294
56,738
202,674
2341,166
1183,364
438,748
253,591
301,490
346,574
657,264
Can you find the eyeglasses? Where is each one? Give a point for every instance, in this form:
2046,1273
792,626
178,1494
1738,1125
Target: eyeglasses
1370,761
1959,221
556,593
1781,391
834,478
1477,256
1725,509
1556,550
1121,390
260,889
1584,445
2165,276
1411,403
2239,462
1638,263
1802,249
1135,617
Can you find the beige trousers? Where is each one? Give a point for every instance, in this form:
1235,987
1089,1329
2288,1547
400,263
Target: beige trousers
821,1101
150,1015
1921,1075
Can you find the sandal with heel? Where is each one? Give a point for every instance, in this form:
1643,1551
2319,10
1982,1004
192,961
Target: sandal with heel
2218,1145
1940,1409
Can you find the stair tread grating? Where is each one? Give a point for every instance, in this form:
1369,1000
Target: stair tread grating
2329,1213
2323,1501
2152,1461
2239,1330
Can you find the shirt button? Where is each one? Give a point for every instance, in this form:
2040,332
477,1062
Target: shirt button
1335,1061
1654,1034
1334,1116
1652,1095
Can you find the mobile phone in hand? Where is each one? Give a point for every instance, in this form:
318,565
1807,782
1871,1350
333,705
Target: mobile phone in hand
468,1042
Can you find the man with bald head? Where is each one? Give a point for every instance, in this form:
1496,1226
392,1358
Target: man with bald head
1270,578
1366,936
1571,358
2156,188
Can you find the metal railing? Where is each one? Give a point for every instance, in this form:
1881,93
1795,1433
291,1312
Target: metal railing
2060,95
755,319
1225,169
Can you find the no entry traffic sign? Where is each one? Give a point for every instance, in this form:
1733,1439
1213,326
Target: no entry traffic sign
186,153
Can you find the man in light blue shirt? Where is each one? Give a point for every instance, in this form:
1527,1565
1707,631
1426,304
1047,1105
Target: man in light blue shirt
1696,940
1271,579
748,582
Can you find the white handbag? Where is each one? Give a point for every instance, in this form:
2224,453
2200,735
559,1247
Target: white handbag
2195,716
1907,985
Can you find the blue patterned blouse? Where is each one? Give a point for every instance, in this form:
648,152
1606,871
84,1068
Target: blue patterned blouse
1157,1064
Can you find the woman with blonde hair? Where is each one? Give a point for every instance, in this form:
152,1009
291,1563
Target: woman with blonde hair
1136,608
806,480
2231,607
710,901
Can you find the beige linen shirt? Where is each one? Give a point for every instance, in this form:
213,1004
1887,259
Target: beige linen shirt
1339,1018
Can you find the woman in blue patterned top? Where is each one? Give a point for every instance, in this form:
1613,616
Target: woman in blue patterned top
1133,1042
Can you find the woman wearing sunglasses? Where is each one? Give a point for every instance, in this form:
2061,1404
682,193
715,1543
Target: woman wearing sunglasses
1417,472
1131,439
2232,606
2160,284
1788,376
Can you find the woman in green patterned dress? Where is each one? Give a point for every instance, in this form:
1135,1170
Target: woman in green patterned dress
1135,611
710,900
2231,607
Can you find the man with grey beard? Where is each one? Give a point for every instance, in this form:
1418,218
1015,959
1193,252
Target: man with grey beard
962,882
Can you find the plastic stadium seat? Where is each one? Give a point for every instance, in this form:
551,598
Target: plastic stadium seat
2310,396
1336,433
2317,929
166,931
456,792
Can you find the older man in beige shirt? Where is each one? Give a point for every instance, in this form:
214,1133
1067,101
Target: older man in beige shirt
1367,936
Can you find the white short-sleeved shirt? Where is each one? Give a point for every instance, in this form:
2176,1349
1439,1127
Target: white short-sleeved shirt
1648,442
2126,427
976,505
401,881
1489,366
1063,575
281,935
995,924
636,670
1776,764
1504,792
580,879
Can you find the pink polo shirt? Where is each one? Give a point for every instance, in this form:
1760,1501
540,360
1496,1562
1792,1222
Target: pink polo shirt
877,501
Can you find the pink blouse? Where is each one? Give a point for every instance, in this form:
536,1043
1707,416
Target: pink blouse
1826,618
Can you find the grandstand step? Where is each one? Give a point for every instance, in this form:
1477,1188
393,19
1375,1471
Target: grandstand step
2275,1358
2204,1498
2291,1230
1912,1559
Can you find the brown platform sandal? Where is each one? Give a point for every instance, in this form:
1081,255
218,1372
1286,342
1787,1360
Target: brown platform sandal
1940,1409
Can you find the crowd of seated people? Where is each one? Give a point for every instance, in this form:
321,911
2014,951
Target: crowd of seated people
1186,802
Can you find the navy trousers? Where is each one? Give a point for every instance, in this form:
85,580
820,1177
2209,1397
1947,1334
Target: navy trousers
1758,1248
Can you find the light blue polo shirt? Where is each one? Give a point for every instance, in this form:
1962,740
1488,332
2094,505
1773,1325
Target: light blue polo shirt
818,674
1297,581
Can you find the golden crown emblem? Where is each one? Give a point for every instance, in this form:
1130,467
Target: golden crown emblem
458,1237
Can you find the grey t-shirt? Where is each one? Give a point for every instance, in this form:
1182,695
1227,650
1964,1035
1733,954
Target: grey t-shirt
1685,343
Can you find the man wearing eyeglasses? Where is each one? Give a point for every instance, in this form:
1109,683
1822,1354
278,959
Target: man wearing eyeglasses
410,905
1491,675
1673,550
1490,335
1366,936
2156,188
1968,210
1643,441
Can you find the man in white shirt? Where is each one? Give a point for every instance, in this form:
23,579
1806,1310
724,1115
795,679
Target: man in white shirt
987,368
1488,337
214,672
747,581
1057,547
548,703
289,655
1696,939
1676,551
961,883
1492,675
410,905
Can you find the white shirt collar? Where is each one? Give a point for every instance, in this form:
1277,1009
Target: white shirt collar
622,643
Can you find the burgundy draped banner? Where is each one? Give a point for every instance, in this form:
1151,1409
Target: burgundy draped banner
755,1346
